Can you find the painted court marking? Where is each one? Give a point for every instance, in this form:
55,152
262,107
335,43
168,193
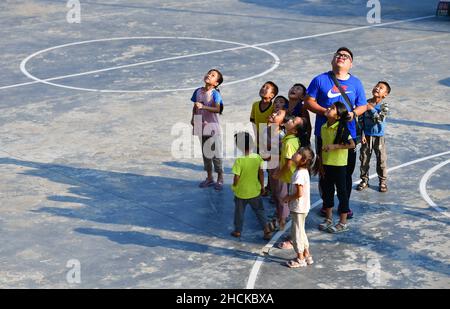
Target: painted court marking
47,81
242,46
423,187
259,260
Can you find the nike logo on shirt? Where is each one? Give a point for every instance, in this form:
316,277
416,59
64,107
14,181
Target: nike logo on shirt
332,95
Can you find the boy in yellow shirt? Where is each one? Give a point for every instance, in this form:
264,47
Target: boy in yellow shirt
262,109
248,184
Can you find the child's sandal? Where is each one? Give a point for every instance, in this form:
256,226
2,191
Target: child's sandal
235,234
326,224
383,187
206,183
338,228
296,263
362,185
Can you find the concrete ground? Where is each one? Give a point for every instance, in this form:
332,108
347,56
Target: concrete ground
92,195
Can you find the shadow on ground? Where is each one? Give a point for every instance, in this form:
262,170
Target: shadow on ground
147,240
161,203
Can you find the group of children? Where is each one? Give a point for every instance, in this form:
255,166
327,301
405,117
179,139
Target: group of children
283,130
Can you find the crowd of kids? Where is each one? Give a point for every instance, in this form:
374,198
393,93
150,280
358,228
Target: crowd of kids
282,131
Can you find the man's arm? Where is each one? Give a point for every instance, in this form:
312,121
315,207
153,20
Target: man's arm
360,102
312,105
359,110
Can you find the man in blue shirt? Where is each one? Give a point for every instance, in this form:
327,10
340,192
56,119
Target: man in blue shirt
322,93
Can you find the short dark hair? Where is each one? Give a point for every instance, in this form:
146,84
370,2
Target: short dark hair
286,101
220,77
301,86
345,49
342,130
386,84
243,137
274,86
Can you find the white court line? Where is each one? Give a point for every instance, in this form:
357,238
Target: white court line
345,30
259,260
423,188
252,77
45,81
241,46
19,85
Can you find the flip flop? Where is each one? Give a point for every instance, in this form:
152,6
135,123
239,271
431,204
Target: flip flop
206,183
296,263
218,186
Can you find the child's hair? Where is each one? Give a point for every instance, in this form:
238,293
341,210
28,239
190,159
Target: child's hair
309,160
302,130
243,140
302,133
302,86
219,81
342,130
386,84
274,86
286,101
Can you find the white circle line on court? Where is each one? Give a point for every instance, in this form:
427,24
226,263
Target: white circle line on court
423,188
276,63
259,260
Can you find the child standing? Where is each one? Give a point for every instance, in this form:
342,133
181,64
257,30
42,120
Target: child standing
336,140
372,139
295,129
205,120
262,109
248,184
270,150
300,204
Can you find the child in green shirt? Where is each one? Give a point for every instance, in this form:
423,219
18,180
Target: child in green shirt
248,184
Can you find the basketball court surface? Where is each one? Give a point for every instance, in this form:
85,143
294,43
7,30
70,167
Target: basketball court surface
92,195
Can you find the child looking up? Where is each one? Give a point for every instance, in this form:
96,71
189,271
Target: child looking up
205,120
248,184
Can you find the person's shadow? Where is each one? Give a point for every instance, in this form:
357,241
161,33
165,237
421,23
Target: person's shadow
162,203
147,240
